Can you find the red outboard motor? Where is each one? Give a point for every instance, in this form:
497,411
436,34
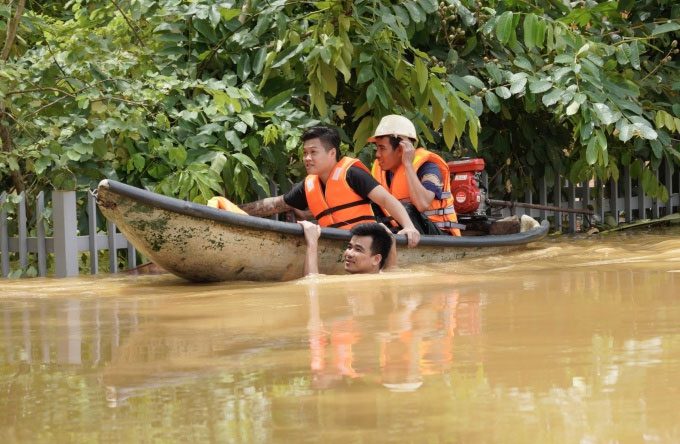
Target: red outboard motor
468,198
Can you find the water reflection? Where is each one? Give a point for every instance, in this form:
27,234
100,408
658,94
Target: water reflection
396,336
535,348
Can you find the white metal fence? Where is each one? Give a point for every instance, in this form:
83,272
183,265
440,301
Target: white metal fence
64,244
624,200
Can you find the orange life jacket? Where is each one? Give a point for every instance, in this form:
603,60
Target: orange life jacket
339,206
441,211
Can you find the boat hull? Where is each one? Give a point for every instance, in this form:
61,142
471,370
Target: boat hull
203,244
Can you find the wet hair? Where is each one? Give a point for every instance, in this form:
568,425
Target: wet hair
381,240
329,137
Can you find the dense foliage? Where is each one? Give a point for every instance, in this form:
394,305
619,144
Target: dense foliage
198,97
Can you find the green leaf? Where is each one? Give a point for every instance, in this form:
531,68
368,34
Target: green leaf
666,27
414,10
573,108
449,131
178,155
287,54
621,54
657,148
503,92
473,81
669,122
634,55
517,84
229,14
247,118
492,101
646,131
278,100
421,74
243,67
564,59
429,6
523,63
494,72
601,139
605,114
258,61
626,132
371,93
218,163
365,74
473,133
552,97
530,25
583,49
539,86
592,151
504,27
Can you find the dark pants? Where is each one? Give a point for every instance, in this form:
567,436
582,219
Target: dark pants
421,222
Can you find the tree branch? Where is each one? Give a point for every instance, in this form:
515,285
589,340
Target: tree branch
129,22
12,30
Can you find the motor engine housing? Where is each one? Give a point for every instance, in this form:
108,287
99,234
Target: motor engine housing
468,197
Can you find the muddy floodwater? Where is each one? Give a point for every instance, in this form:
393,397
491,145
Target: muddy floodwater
571,341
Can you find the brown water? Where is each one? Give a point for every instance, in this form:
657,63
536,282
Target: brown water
574,341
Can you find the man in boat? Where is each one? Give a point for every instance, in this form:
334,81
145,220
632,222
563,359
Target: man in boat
419,178
371,248
338,190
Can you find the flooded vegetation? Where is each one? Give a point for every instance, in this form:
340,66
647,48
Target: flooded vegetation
570,341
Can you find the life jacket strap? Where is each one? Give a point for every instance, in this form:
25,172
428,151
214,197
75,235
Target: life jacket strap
328,211
447,224
440,211
352,221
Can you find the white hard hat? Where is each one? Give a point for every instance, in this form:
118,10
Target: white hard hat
394,125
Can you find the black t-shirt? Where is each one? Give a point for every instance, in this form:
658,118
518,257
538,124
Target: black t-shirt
358,179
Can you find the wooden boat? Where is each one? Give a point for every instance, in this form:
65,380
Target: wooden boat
203,244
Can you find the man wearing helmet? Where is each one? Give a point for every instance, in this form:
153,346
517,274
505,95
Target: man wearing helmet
419,178
337,190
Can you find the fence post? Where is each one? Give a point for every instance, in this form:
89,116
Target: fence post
542,197
557,197
131,256
572,204
614,200
627,195
40,234
585,189
669,185
642,201
599,199
113,252
4,238
23,233
65,230
655,202
92,237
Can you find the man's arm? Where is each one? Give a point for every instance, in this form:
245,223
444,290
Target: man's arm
391,261
383,198
312,233
420,196
266,207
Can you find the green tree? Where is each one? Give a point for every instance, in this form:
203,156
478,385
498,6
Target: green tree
204,97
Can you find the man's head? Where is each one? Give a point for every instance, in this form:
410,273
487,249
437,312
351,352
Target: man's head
388,134
368,248
321,149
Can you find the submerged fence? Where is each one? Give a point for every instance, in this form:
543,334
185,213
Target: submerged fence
64,244
623,200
